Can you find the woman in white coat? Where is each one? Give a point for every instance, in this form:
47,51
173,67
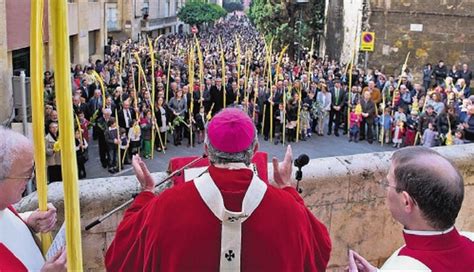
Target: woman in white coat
323,100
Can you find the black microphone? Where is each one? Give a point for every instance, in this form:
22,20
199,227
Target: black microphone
302,160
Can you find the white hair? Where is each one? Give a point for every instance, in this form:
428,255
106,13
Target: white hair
107,111
10,146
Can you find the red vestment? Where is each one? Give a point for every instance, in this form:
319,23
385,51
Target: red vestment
176,231
8,261
424,250
446,252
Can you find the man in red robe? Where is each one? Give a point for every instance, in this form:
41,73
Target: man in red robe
227,219
18,248
424,193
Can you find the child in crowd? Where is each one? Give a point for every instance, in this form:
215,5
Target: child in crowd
200,120
279,124
81,151
354,121
400,116
112,139
124,144
134,135
429,136
146,124
398,133
385,122
459,137
84,125
304,122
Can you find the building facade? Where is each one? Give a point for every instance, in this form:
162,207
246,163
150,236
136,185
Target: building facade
87,32
136,18
431,30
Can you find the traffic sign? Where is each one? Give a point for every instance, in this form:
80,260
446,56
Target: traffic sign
367,41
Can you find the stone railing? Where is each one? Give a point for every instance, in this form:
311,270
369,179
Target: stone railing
343,192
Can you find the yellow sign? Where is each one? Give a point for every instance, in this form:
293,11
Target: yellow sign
367,41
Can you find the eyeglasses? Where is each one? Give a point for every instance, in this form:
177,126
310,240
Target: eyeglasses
32,175
385,184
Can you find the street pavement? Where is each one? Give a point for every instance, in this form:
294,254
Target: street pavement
315,147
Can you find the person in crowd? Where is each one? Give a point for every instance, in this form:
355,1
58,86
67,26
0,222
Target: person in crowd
335,114
440,72
81,154
427,76
101,127
53,153
112,138
177,105
355,119
323,101
368,115
146,124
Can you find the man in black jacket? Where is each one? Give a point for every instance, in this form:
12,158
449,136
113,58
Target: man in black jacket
440,72
368,114
337,101
217,96
466,74
126,116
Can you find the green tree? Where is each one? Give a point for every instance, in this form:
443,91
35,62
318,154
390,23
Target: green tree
198,13
288,23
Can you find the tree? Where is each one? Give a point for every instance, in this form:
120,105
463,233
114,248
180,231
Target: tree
197,13
288,23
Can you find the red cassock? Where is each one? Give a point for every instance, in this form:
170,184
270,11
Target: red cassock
434,251
8,261
176,231
447,252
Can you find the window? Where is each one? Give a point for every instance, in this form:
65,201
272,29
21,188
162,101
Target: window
73,41
21,60
112,15
93,38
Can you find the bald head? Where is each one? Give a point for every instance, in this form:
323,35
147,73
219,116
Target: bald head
432,181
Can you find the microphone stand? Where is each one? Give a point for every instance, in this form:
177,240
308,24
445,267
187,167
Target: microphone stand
177,172
299,177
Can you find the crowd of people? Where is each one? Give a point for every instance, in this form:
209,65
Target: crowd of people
131,106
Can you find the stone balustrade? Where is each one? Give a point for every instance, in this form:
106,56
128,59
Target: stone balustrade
343,192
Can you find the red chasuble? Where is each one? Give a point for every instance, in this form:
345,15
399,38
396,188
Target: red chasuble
444,252
176,231
8,261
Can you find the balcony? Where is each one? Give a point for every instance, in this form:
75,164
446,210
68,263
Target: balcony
157,23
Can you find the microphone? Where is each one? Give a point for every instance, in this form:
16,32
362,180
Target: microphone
302,160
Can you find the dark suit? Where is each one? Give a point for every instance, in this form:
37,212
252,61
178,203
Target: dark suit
367,122
337,100
217,98
121,118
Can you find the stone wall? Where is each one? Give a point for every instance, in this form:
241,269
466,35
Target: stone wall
343,192
446,24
